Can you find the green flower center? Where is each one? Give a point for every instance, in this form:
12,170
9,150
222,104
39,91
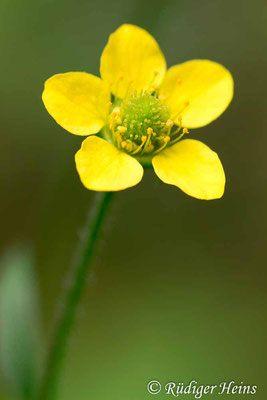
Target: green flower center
142,112
141,124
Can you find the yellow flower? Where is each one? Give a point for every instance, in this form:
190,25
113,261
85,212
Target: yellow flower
141,111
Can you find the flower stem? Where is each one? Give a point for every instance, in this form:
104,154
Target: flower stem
72,297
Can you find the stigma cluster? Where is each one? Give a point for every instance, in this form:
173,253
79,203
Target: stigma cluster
141,124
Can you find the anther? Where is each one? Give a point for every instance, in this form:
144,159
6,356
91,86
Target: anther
169,123
121,129
167,139
127,145
118,120
116,111
149,148
149,131
118,139
185,130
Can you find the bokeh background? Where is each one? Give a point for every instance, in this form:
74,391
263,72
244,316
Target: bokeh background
179,285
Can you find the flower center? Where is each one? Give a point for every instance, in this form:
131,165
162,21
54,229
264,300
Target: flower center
141,124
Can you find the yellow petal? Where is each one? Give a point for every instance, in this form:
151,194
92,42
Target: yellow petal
77,101
197,90
103,167
132,60
193,167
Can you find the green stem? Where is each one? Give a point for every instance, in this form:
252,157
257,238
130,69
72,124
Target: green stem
72,297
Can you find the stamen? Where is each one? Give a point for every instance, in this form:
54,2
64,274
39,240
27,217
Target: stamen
186,104
118,140
128,89
166,141
143,138
127,145
121,129
156,89
117,120
151,84
169,123
149,132
185,131
116,111
179,127
114,118
149,148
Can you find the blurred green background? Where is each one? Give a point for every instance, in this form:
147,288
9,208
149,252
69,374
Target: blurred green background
179,285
